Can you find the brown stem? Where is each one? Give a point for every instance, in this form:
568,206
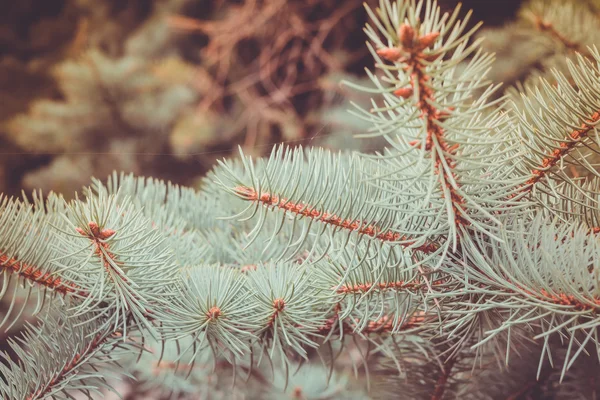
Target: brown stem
410,54
35,274
332,219
76,361
547,27
382,325
381,286
442,383
564,148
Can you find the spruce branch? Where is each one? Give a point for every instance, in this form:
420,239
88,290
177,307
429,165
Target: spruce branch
439,131
565,147
307,211
575,204
333,193
64,354
26,251
35,275
282,305
288,308
212,307
410,54
164,203
559,120
423,373
115,255
545,285
165,369
545,34
473,296
565,23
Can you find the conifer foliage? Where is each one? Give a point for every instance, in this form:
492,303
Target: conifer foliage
460,262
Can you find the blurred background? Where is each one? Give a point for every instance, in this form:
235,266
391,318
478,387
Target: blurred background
163,88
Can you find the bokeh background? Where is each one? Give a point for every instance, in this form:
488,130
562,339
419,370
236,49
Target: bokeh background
163,88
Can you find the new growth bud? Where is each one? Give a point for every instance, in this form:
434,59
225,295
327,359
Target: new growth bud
404,92
426,41
390,53
406,35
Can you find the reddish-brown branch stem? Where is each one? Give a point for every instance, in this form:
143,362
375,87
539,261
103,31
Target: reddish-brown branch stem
34,274
547,27
410,53
543,295
332,219
559,298
442,383
564,148
432,116
381,286
566,300
75,362
382,325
